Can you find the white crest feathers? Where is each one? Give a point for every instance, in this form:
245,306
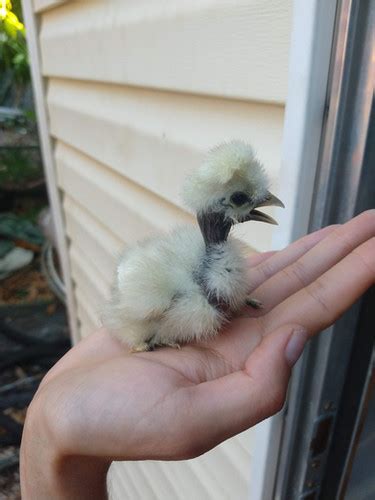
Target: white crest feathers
226,165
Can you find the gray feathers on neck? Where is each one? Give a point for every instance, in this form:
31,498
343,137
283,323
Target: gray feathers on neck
214,227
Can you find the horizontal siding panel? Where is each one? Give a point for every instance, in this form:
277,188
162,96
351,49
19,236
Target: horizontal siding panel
127,210
100,246
87,319
154,151
88,314
133,477
153,479
233,460
179,479
155,138
229,48
42,5
201,478
133,132
244,443
88,280
121,486
86,327
192,481
214,488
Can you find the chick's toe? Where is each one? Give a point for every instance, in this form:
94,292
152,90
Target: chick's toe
256,304
142,347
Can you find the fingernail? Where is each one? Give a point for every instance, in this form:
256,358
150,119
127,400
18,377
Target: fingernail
295,346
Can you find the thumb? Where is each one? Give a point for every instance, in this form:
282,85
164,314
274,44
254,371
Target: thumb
226,406
270,364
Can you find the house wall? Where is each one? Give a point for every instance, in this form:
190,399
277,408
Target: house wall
136,92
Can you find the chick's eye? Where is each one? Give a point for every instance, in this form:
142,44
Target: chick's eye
239,198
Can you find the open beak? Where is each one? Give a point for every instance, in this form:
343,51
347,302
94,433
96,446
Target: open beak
269,201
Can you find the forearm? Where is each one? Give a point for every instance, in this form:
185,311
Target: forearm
47,473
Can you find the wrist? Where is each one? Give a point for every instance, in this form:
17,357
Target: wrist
48,470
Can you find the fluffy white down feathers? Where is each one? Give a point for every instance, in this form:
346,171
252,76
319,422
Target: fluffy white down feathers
183,286
229,166
157,298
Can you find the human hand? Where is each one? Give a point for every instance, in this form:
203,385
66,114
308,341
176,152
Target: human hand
102,403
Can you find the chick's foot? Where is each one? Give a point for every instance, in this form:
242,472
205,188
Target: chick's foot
142,347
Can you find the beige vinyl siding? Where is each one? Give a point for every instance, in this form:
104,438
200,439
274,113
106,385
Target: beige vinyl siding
137,91
197,46
222,473
43,5
155,137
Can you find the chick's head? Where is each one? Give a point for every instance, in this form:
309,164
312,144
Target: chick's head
231,181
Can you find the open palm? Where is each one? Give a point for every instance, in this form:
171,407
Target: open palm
173,404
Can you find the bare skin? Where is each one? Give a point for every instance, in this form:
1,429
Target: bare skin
100,403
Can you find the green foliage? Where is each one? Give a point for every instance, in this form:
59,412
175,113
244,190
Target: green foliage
17,9
13,51
14,227
13,57
20,161
19,165
14,63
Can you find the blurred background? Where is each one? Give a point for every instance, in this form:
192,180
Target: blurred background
33,326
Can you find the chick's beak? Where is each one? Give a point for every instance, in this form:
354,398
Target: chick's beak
270,200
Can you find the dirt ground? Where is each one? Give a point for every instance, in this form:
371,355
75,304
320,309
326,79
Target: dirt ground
33,335
10,477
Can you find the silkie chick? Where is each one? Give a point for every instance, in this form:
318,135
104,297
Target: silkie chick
184,286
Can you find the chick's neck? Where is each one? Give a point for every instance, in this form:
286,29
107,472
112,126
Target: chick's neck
214,227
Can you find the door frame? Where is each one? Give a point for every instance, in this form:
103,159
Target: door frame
306,108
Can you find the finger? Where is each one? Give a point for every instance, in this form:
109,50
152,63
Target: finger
257,258
303,271
281,259
226,406
323,301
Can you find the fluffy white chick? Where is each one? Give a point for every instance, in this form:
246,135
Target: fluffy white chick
184,286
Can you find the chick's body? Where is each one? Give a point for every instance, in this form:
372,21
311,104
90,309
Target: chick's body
183,286
170,290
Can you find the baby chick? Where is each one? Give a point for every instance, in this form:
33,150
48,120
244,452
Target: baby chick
184,286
